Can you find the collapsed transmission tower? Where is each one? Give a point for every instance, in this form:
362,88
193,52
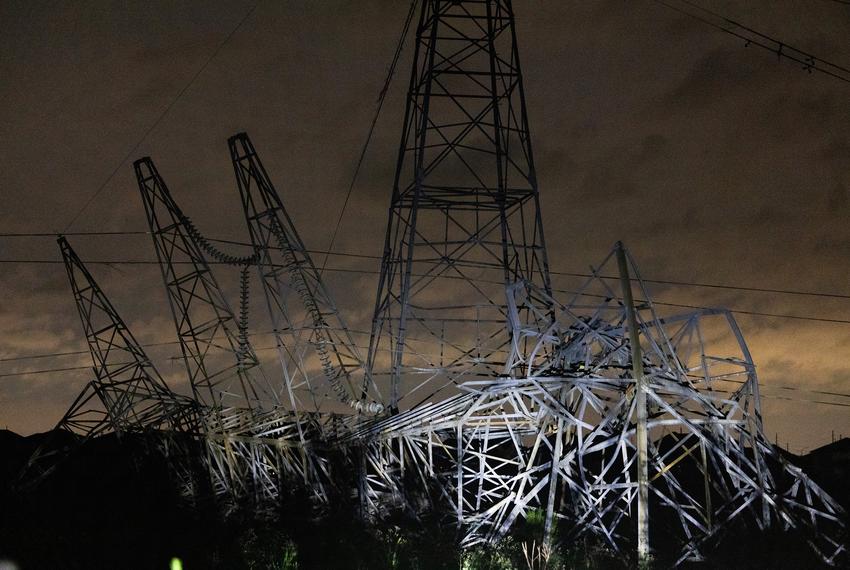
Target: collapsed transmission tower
206,326
557,433
487,397
309,331
127,394
506,400
464,221
256,447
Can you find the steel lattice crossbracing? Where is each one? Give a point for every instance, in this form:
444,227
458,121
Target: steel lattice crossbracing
557,433
464,218
309,330
256,446
127,394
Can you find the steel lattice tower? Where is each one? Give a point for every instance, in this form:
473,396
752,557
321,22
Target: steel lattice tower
255,447
133,393
464,221
309,330
127,394
217,360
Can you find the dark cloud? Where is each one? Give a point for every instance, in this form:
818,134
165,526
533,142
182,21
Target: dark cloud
713,79
836,201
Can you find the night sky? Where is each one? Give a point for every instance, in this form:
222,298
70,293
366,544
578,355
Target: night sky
714,162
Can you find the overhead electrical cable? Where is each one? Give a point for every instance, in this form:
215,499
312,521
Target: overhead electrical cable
111,263
381,97
373,272
377,258
67,234
161,116
761,386
782,50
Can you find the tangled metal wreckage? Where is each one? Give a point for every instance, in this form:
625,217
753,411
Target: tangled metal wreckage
482,395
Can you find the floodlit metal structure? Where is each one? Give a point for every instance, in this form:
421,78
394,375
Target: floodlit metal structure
484,394
558,432
505,399
256,446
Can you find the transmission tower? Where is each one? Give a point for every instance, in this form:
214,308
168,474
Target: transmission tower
256,447
127,394
507,400
464,220
558,433
310,332
207,329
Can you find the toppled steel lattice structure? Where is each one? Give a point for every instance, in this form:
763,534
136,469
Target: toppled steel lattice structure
483,394
127,394
256,446
557,432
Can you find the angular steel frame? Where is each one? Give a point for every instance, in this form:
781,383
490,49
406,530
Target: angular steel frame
127,394
309,330
557,433
539,411
256,447
464,220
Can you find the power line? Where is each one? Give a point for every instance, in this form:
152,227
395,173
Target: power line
840,404
381,97
781,49
160,117
791,388
49,370
656,302
378,258
762,386
56,235
47,355
74,352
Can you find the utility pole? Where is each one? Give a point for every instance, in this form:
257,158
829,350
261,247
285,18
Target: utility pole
640,405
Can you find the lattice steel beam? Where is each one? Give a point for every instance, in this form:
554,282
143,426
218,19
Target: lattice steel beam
127,394
464,220
309,330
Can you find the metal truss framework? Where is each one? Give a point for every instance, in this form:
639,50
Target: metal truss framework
557,433
309,331
547,409
127,394
255,446
464,219
206,326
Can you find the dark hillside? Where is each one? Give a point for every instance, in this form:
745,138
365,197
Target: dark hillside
115,505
